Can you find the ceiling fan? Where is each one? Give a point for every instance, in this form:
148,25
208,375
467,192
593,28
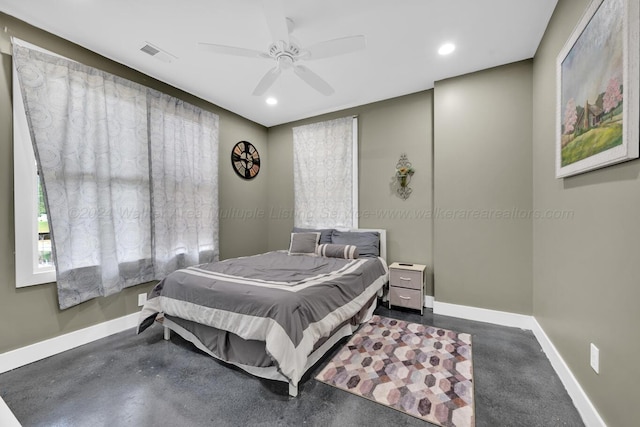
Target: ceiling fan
286,52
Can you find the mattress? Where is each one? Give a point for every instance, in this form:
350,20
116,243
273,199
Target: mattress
268,309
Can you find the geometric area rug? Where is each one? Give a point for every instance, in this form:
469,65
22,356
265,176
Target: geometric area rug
420,370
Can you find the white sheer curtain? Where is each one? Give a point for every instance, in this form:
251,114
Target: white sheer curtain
91,136
184,150
323,168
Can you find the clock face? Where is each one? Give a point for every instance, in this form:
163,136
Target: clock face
245,160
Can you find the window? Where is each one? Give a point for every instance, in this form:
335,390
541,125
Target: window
34,264
326,174
99,138
44,236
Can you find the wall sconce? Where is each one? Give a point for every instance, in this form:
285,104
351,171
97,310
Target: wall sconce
404,172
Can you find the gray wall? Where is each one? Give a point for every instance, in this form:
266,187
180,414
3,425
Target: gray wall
31,314
585,284
386,130
243,224
576,275
483,189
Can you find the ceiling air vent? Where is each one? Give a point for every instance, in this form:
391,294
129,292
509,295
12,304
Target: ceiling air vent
157,53
147,48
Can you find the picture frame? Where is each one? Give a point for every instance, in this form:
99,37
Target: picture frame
597,114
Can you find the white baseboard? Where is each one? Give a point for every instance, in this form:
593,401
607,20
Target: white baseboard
32,353
580,399
483,315
41,350
7,419
428,301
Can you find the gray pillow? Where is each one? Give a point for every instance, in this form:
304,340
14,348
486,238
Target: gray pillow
368,242
303,243
325,233
338,251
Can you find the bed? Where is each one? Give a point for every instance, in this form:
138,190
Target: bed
276,314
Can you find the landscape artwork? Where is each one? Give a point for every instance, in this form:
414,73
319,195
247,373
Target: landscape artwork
592,93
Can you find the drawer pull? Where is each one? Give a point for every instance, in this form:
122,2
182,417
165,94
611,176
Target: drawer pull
404,297
405,278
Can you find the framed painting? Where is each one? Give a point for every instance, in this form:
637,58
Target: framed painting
597,83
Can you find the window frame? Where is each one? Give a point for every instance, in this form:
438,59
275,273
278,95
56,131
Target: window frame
25,191
320,221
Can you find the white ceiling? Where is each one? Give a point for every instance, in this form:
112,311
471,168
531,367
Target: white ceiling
401,56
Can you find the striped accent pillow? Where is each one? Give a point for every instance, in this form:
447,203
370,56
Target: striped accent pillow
337,251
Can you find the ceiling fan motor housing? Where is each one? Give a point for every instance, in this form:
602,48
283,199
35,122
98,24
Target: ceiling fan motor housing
284,53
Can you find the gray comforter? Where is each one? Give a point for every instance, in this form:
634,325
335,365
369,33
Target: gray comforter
290,302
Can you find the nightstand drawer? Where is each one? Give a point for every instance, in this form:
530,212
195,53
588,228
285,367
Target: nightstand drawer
408,298
406,278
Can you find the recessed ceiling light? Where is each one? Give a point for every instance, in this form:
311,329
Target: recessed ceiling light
272,101
446,48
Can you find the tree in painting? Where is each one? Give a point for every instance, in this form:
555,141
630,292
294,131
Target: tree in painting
613,96
570,117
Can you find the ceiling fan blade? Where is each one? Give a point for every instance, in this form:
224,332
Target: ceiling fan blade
336,47
267,80
232,50
276,20
313,80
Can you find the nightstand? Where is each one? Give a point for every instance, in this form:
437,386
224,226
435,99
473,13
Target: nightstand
406,285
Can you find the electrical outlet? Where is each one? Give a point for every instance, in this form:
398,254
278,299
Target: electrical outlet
142,298
595,358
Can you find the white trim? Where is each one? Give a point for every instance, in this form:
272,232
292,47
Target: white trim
589,414
483,315
28,272
32,353
43,349
581,401
428,301
25,195
7,419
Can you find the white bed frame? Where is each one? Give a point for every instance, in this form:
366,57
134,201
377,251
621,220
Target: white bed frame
271,372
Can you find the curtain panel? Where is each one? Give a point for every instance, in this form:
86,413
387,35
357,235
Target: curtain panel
323,174
113,156
184,159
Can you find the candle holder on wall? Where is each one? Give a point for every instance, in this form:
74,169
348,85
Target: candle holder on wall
404,172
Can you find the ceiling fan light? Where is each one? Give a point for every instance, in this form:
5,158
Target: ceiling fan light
271,100
446,49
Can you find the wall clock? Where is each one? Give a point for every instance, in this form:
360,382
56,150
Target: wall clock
245,160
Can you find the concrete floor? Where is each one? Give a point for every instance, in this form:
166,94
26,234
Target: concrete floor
142,380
